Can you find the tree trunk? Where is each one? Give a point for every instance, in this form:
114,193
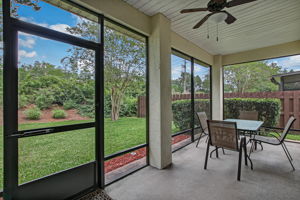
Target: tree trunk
116,98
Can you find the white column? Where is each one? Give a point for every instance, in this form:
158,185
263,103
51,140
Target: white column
160,151
217,88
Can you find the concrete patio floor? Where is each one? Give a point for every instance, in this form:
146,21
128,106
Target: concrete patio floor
272,177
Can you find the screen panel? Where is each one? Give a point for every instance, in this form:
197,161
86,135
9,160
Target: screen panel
56,83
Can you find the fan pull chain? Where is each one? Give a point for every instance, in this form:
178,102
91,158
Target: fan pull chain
207,30
217,32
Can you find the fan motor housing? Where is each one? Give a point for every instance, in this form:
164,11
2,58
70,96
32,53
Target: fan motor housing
216,5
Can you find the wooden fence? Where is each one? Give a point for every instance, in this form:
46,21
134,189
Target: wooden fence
290,103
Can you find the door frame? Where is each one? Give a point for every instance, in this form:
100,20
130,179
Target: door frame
10,84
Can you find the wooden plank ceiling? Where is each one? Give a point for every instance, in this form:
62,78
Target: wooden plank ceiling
259,24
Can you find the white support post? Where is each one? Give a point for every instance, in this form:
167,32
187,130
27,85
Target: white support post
217,88
160,92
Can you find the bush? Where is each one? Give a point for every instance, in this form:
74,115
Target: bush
182,112
87,109
268,110
69,104
59,114
44,99
33,113
129,108
22,101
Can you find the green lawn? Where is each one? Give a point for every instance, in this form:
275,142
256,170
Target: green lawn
43,155
293,137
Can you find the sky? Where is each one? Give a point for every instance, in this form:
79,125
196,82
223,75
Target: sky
177,63
33,48
289,63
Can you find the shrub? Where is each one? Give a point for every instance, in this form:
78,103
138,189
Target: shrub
59,114
129,108
182,112
22,101
44,99
33,113
107,105
69,104
87,109
268,110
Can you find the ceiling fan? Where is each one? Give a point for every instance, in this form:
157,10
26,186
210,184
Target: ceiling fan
217,6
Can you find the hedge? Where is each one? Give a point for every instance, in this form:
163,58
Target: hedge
268,110
182,112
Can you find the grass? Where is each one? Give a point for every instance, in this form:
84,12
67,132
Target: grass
293,137
43,155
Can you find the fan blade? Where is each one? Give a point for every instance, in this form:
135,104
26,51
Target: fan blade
193,10
237,3
203,20
230,19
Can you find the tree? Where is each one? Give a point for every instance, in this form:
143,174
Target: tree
250,77
124,66
31,3
183,83
124,59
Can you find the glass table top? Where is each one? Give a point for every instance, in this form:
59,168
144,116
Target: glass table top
246,125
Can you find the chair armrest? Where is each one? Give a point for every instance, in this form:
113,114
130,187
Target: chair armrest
268,131
274,135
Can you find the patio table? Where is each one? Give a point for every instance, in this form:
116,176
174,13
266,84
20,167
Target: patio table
249,126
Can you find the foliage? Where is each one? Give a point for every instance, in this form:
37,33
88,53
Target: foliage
33,113
23,101
250,77
87,109
268,110
59,114
129,108
30,3
44,99
43,84
182,112
125,61
182,83
69,104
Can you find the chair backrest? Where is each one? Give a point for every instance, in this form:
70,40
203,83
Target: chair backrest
248,115
287,128
223,134
202,117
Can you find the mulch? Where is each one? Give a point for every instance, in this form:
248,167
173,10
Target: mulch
46,116
127,158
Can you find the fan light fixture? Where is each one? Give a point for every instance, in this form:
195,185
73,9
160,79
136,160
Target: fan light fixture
218,18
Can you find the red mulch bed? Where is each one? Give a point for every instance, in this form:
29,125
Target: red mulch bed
46,115
127,158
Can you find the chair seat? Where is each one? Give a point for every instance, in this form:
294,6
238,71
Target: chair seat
264,139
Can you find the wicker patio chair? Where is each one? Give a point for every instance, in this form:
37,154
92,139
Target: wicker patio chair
225,134
276,139
248,115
